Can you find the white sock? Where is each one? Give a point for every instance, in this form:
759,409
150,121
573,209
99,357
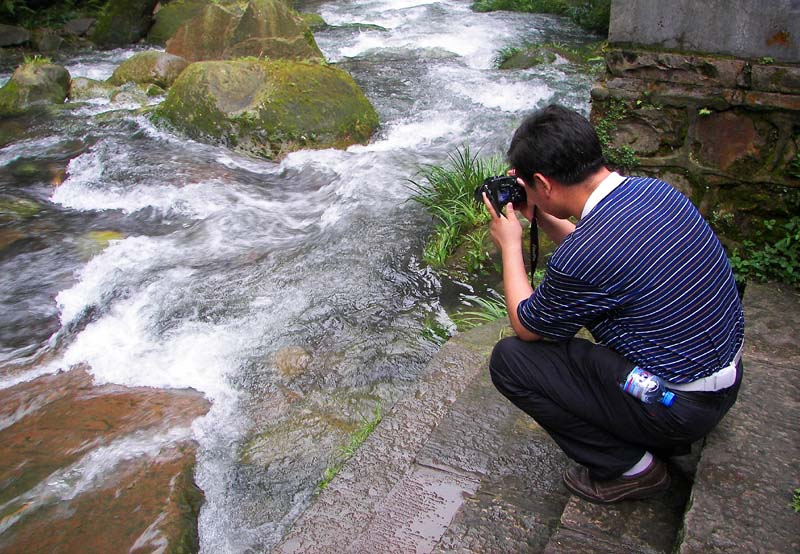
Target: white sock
640,466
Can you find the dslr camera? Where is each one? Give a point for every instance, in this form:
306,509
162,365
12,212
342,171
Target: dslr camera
501,190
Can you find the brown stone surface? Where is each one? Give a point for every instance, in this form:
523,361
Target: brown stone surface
151,505
677,68
771,101
203,37
57,497
726,138
776,78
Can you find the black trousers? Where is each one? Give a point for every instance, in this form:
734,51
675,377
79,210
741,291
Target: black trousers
572,389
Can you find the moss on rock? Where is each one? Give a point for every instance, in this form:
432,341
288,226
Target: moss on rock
34,83
170,18
123,22
269,108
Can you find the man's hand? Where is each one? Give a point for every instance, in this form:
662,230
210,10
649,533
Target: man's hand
506,231
507,235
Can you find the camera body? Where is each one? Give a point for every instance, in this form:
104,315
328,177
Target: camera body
501,190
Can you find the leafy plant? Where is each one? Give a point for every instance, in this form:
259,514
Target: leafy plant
778,260
491,309
593,15
348,450
447,192
36,60
794,167
624,156
796,500
505,54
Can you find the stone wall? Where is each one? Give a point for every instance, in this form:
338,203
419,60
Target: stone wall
724,129
744,28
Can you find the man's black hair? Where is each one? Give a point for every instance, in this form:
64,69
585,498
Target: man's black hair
558,143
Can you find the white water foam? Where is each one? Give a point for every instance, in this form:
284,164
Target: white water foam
503,93
36,148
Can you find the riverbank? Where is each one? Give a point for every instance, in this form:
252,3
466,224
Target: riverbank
455,468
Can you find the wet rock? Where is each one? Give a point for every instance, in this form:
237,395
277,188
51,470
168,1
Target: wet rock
94,242
130,94
34,83
97,468
83,88
80,27
47,41
170,17
13,36
17,209
158,68
292,361
268,108
9,237
123,22
267,28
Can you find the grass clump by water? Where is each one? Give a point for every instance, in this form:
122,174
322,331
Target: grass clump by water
592,15
347,451
447,192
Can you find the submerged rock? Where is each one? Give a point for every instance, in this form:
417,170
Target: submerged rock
269,108
83,88
97,468
157,68
32,84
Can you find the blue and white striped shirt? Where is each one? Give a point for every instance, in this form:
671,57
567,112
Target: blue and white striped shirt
647,276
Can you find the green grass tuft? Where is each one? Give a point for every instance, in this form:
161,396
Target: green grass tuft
447,192
348,450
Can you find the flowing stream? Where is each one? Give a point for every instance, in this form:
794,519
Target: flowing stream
217,261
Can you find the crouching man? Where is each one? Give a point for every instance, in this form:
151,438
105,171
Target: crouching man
645,274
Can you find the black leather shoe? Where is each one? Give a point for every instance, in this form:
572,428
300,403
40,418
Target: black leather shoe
651,482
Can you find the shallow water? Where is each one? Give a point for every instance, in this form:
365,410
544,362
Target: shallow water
217,261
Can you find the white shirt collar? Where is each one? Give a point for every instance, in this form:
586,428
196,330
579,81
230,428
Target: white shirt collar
602,190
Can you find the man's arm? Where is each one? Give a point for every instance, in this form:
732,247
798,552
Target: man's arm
507,235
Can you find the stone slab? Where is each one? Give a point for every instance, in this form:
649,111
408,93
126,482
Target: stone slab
344,510
750,464
416,513
737,27
472,433
749,467
519,503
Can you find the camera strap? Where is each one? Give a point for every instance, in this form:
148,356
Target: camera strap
534,245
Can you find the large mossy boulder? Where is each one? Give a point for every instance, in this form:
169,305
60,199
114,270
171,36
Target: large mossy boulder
269,108
169,18
34,84
123,22
266,29
157,68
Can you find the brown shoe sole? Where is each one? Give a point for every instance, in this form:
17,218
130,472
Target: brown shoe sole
615,490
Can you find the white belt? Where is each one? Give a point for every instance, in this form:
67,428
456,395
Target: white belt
722,379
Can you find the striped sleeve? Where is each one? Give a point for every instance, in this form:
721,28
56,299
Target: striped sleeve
562,304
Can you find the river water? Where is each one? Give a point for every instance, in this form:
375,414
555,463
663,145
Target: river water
217,261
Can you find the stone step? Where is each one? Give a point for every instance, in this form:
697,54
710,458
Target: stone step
748,470
750,465
384,499
643,526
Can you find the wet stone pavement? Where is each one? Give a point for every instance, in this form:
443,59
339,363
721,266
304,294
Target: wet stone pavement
455,468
